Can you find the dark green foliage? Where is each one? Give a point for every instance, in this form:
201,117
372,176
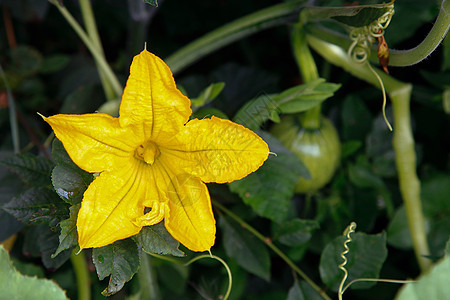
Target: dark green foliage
32,169
53,72
120,260
250,253
365,259
69,181
37,205
156,239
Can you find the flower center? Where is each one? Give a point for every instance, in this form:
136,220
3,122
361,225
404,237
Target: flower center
148,152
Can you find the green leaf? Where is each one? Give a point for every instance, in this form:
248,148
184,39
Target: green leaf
14,285
250,253
208,112
269,190
120,260
152,2
32,169
208,94
54,63
365,259
156,239
294,232
294,100
25,61
68,237
398,234
362,176
295,292
257,111
432,285
70,185
69,181
29,269
41,241
355,16
48,243
11,185
306,96
37,205
84,99
435,194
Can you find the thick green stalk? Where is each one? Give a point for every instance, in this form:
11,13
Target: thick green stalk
398,58
428,45
405,159
147,279
82,275
274,248
231,32
308,69
403,140
91,29
100,60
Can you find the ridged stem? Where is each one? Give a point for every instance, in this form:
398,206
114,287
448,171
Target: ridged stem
405,159
91,29
403,140
100,60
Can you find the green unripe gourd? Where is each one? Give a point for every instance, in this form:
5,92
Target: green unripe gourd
317,146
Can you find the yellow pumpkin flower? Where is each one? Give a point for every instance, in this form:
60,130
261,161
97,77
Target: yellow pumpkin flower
153,161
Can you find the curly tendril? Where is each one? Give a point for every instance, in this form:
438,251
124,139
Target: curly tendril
363,39
348,231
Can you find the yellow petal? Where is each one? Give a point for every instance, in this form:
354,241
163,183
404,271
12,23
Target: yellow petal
151,100
216,150
95,142
190,219
110,205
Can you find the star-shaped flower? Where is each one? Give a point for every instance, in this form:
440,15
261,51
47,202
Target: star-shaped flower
153,162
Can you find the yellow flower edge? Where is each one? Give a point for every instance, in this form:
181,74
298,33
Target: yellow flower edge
153,162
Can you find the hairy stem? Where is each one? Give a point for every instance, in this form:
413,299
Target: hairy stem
405,159
398,58
91,29
269,17
428,45
82,275
274,248
403,140
100,60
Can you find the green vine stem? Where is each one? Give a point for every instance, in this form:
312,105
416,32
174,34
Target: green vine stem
405,159
274,248
100,60
398,58
403,140
308,69
429,44
147,279
91,29
82,275
269,17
